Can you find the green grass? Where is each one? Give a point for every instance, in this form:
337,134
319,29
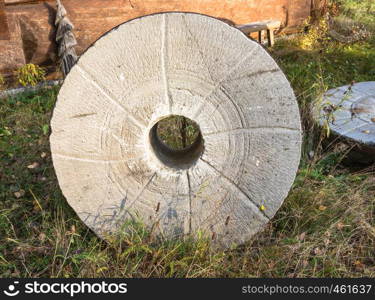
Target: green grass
326,226
177,132
359,10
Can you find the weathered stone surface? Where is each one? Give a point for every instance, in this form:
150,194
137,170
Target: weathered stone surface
108,165
350,112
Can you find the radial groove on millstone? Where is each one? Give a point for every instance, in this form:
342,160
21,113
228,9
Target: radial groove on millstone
238,173
164,57
244,130
189,190
89,160
110,97
251,202
199,109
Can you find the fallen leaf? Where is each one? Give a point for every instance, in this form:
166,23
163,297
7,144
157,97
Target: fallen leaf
19,194
317,251
42,236
302,236
322,207
33,165
43,154
340,225
359,265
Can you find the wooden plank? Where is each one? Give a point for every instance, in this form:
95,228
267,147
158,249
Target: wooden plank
4,28
258,26
15,2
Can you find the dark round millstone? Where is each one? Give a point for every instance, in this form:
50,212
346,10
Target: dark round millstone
349,112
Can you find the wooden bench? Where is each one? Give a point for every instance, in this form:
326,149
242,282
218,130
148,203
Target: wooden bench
269,26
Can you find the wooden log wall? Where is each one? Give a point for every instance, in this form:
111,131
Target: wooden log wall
27,27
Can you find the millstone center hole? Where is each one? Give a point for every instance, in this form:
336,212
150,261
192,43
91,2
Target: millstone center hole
177,132
176,141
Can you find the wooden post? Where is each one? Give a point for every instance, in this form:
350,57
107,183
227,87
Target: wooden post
270,37
260,36
4,29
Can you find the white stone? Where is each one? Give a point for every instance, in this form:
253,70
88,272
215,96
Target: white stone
350,112
181,64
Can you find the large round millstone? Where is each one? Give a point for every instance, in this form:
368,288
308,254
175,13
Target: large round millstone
112,166
349,111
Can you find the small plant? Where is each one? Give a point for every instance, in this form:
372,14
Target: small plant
316,36
30,74
2,82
